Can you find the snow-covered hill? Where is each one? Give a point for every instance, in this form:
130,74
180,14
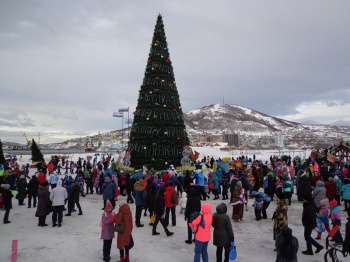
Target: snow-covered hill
253,128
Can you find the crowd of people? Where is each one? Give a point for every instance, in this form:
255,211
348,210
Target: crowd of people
319,184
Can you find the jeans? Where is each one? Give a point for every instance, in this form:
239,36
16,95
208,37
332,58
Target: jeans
309,240
201,248
57,213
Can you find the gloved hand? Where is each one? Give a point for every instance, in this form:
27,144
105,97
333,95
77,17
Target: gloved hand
162,217
111,220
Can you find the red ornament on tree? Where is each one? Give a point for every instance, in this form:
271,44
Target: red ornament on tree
174,110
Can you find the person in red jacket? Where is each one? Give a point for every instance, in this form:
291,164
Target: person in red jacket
165,178
202,226
169,205
331,189
41,178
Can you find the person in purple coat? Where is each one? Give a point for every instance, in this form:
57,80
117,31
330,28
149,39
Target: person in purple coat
44,204
107,230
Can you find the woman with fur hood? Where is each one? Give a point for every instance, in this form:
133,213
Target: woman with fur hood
237,202
280,215
223,233
124,239
319,193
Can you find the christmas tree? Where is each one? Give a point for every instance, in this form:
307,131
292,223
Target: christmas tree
37,156
158,134
2,158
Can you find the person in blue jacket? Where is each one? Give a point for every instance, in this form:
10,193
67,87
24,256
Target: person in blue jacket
262,202
200,182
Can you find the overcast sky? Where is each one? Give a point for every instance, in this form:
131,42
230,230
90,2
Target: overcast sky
66,66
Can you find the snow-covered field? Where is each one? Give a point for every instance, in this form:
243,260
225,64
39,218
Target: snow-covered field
79,237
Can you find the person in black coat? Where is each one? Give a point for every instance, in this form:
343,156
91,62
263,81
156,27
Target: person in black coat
271,186
7,201
22,189
309,223
193,204
33,187
287,246
130,182
303,185
187,181
151,196
44,204
223,233
73,199
159,210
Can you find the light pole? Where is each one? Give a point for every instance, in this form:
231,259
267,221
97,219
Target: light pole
39,135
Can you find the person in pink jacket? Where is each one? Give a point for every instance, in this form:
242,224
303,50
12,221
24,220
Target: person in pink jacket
202,226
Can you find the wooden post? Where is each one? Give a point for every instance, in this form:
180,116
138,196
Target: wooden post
14,251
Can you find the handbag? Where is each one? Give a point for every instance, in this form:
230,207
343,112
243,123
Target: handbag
233,252
131,244
153,218
119,228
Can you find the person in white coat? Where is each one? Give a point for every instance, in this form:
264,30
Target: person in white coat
183,202
58,195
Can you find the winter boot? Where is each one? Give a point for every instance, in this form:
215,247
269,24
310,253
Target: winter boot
155,233
122,259
127,258
168,233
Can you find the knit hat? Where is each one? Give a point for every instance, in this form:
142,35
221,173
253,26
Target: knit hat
324,202
333,203
108,205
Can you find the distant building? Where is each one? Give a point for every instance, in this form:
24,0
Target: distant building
230,139
279,141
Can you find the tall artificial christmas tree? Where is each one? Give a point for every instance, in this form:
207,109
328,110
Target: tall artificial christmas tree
37,156
158,134
2,158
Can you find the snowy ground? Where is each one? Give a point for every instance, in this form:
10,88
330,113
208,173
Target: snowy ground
79,237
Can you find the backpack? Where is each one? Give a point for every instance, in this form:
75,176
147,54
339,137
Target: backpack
174,198
86,175
192,217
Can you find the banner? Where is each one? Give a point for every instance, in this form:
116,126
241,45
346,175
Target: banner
117,114
123,109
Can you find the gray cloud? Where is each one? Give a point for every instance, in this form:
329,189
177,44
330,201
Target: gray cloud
69,65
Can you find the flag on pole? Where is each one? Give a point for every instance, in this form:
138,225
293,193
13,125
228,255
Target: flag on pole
117,114
121,110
